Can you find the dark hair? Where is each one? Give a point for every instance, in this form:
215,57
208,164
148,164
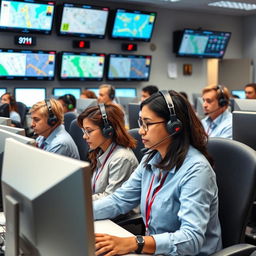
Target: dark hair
69,100
253,85
184,94
115,118
192,132
150,89
13,103
89,94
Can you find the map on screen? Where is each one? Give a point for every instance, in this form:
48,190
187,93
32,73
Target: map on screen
84,21
129,68
194,44
26,15
82,66
19,64
133,25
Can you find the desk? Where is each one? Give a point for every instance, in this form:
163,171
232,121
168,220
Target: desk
111,228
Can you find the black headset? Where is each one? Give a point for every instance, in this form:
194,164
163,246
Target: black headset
111,92
52,119
69,101
222,98
174,125
107,130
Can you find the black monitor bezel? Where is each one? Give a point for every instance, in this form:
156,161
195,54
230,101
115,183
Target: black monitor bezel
134,39
29,30
127,79
81,35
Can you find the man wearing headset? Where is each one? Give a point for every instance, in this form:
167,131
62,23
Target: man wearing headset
68,102
218,120
47,118
250,91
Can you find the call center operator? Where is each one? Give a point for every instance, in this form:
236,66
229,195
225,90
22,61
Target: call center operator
174,184
111,156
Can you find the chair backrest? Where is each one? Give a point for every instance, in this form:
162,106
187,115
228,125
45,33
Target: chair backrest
137,151
68,118
235,168
22,110
76,133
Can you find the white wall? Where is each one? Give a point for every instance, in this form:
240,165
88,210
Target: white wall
167,21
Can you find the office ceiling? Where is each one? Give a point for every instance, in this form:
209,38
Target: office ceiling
191,5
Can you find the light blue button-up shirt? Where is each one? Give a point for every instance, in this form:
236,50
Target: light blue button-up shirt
220,126
60,142
184,215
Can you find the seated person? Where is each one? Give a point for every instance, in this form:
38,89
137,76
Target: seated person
147,91
111,155
174,184
218,120
87,94
250,91
68,102
47,118
13,108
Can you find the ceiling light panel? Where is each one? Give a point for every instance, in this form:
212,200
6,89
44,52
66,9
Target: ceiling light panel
234,5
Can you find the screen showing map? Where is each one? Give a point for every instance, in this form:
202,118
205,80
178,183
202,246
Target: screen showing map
129,67
133,25
15,64
83,20
203,43
27,16
82,66
57,92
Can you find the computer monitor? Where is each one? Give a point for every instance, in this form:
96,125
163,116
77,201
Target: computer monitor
5,121
2,91
52,202
16,130
95,90
133,115
30,96
126,92
244,105
244,124
82,104
240,94
57,92
199,108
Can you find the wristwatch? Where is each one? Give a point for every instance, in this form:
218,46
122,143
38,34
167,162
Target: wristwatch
140,242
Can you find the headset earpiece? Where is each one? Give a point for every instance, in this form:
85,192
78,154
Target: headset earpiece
174,125
107,130
52,119
69,104
222,99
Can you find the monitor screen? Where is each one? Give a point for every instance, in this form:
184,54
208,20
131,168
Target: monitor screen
129,67
240,94
3,91
200,43
47,225
27,65
133,25
82,66
133,115
244,105
30,96
95,90
83,20
243,123
126,92
27,16
57,92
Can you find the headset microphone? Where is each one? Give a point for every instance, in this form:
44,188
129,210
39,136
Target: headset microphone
208,113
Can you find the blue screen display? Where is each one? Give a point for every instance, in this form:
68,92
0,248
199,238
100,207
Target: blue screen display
2,91
126,92
57,92
239,93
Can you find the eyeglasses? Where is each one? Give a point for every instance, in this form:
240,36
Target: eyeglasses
88,132
145,126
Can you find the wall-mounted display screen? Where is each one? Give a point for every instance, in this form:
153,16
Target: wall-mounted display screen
133,25
26,65
57,92
238,94
2,91
129,67
27,16
30,96
200,43
82,66
83,20
126,92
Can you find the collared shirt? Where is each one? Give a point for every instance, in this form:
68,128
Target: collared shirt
220,126
117,169
60,142
184,215
15,116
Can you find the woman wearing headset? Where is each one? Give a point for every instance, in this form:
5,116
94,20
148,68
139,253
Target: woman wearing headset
111,155
174,185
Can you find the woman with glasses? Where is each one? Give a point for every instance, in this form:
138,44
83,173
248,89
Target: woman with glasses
111,156
174,185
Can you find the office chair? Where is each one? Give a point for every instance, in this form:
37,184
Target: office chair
137,151
235,168
22,110
76,133
68,118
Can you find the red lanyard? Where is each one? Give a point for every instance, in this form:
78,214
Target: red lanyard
149,202
99,171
